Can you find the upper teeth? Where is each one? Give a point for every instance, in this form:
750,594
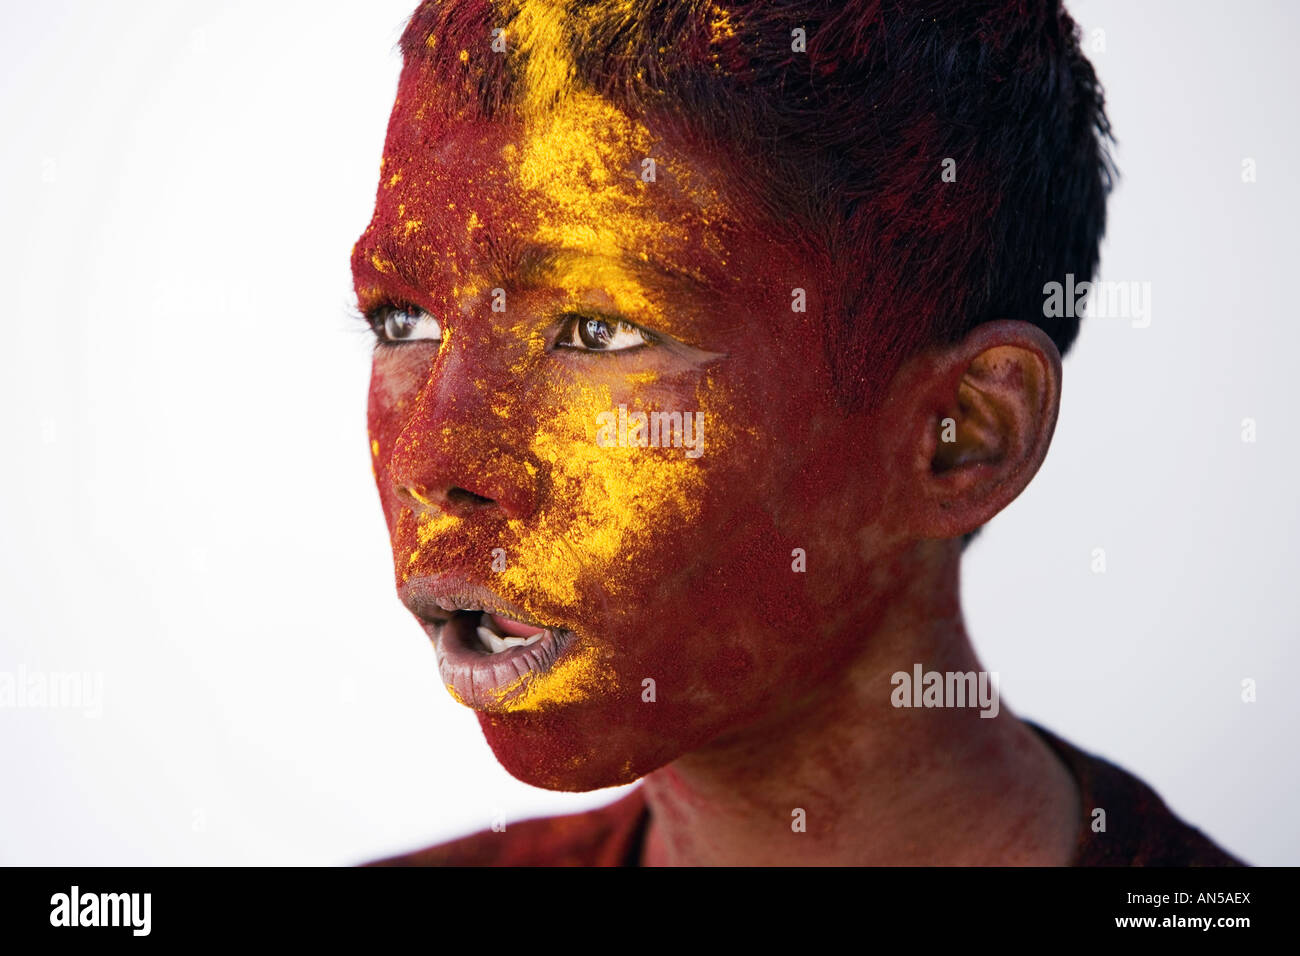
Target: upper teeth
496,643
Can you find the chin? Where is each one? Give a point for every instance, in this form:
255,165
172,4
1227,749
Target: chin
578,748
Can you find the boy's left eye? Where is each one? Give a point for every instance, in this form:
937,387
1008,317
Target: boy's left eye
591,334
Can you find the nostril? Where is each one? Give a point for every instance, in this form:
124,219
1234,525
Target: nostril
466,498
414,498
451,501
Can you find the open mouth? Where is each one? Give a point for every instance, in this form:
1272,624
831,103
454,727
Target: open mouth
488,651
485,665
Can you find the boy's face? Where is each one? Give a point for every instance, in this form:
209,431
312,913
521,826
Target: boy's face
672,576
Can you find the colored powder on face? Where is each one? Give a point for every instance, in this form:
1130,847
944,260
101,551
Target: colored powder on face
429,526
581,675
604,501
576,173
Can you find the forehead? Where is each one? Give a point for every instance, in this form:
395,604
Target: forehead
484,200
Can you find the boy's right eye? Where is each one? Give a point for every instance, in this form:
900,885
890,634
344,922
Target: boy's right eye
587,333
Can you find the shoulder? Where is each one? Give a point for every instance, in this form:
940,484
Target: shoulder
1139,829
608,836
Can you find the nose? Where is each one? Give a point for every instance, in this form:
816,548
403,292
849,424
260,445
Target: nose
455,456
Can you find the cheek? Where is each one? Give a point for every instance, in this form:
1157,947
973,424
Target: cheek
770,555
609,508
714,587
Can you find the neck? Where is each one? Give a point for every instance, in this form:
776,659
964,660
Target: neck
876,784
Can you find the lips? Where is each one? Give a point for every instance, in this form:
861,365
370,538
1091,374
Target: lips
488,651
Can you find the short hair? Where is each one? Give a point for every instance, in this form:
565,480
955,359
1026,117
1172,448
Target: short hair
843,143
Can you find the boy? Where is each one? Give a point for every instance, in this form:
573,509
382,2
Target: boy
707,333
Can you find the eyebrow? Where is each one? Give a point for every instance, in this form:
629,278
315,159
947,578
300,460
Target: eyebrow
526,264
535,264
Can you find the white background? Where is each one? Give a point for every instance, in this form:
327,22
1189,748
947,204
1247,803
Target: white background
186,503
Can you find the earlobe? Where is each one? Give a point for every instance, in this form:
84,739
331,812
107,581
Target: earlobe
983,413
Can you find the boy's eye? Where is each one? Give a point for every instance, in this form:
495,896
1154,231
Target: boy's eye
591,334
405,324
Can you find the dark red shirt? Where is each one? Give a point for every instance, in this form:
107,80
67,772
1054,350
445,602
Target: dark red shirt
1140,829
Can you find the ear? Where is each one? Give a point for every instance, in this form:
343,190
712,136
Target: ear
973,423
